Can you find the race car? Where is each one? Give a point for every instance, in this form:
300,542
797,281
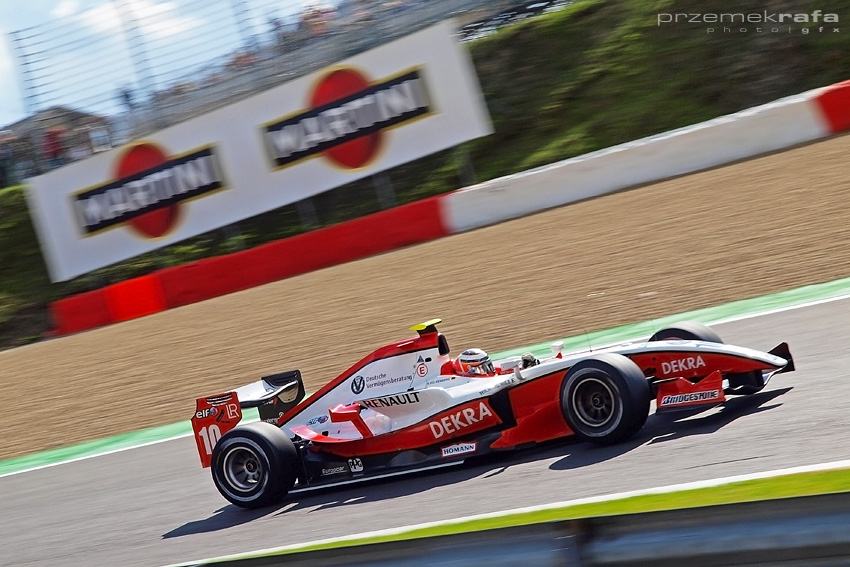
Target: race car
410,406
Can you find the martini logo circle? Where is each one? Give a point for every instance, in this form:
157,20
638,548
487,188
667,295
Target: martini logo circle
347,118
147,190
137,159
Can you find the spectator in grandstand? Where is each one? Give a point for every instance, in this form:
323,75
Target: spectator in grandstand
318,20
99,139
276,26
54,146
79,144
241,60
126,96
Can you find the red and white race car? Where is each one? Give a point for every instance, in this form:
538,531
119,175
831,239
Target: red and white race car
409,406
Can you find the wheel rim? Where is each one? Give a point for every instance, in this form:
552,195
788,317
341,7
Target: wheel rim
243,469
594,402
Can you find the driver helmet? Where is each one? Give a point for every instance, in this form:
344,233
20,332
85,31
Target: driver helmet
473,362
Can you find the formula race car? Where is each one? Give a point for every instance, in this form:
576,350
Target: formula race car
410,406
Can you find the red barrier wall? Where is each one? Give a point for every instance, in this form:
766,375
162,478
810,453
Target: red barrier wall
212,277
134,298
834,102
178,286
80,312
304,253
373,234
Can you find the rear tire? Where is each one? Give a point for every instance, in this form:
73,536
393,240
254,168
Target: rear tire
605,399
687,331
254,465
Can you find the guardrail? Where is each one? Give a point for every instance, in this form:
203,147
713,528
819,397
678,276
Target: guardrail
811,530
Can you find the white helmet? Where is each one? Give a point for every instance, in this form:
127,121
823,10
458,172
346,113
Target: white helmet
473,361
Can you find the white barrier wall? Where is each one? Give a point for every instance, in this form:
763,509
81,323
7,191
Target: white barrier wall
770,127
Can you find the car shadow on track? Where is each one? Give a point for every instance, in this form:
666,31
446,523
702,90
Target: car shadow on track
570,455
322,499
224,518
378,490
686,425
664,427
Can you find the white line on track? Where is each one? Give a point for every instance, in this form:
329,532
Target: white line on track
100,454
775,310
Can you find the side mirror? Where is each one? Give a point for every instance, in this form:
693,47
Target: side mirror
509,364
557,348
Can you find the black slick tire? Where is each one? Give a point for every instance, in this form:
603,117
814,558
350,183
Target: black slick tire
687,331
605,399
254,465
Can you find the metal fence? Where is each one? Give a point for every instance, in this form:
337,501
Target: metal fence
147,65
95,79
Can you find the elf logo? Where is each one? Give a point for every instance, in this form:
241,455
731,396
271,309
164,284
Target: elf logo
147,190
346,119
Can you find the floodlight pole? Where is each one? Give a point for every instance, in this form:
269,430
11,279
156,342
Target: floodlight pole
138,52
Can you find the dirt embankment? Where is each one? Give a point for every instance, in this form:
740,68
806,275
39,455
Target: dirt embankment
744,230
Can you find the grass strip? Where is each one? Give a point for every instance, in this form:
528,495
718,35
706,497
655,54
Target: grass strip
786,486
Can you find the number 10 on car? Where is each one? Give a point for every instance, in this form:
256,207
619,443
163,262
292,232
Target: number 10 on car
214,416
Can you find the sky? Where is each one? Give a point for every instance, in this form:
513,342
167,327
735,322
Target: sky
166,23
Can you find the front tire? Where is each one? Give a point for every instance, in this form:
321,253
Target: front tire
254,465
687,331
605,399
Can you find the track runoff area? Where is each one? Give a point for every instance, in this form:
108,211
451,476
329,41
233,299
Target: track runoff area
735,311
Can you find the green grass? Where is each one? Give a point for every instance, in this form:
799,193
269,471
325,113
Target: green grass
595,74
789,486
807,484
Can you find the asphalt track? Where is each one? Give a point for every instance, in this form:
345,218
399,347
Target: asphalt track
154,505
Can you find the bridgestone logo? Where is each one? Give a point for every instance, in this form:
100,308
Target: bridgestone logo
159,187
379,106
688,398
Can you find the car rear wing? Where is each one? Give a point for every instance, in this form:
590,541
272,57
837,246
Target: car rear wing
215,415
273,395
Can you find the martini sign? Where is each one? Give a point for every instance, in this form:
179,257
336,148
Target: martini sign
148,189
348,117
399,102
